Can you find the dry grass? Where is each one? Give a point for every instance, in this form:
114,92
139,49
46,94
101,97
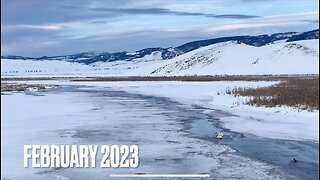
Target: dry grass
294,90
300,92
165,78
8,87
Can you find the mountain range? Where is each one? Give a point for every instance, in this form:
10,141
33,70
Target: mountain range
171,52
281,53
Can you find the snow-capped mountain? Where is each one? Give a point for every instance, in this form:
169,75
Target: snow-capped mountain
285,53
171,52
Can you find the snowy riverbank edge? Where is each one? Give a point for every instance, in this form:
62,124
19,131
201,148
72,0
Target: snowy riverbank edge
277,122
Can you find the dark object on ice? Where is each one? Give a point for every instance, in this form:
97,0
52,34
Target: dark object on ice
294,160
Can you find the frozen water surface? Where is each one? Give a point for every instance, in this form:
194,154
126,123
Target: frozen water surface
172,137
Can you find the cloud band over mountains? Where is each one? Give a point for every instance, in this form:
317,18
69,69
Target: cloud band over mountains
36,28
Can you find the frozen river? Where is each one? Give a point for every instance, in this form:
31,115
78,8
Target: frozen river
173,138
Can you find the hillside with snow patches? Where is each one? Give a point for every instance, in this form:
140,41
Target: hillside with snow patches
224,58
234,58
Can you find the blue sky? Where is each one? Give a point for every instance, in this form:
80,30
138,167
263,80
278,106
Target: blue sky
44,27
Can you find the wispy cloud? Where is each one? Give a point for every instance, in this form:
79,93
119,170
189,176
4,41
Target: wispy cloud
272,21
165,11
50,27
290,20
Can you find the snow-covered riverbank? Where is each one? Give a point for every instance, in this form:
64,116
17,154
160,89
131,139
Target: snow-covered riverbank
277,122
98,115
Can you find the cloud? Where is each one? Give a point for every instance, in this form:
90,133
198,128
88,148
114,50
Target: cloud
266,23
233,16
273,23
50,27
165,11
47,12
37,27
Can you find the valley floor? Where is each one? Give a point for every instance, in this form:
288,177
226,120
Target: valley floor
186,114
276,122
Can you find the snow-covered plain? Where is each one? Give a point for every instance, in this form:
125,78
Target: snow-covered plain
100,115
277,122
227,58
273,122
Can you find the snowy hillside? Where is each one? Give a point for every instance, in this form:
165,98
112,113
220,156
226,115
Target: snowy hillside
226,58
235,58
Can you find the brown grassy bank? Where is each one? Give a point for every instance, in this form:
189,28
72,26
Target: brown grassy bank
193,78
18,87
300,92
165,78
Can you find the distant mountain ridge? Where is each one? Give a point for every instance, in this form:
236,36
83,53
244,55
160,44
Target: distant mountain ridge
225,58
171,52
